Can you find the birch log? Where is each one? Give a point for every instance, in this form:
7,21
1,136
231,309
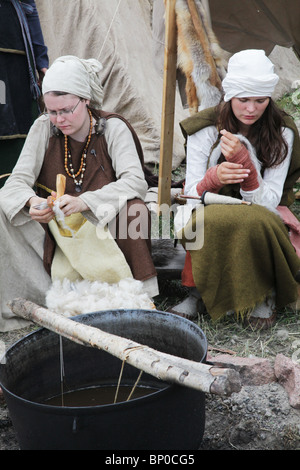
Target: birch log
173,369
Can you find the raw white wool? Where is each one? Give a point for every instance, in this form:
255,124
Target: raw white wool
73,298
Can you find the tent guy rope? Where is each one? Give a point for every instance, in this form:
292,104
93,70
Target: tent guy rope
109,29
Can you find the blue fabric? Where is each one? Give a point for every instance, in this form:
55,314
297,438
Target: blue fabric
35,91
22,53
37,39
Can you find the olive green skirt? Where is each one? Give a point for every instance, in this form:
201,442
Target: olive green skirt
246,254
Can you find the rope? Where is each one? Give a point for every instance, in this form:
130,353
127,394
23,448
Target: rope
119,381
134,387
110,26
62,370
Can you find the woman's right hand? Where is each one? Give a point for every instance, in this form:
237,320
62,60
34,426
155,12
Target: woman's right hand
43,216
231,173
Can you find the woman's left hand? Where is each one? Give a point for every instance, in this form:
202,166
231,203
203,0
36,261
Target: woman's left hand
230,144
71,204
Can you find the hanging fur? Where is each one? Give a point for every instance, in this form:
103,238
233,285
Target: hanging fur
199,56
73,298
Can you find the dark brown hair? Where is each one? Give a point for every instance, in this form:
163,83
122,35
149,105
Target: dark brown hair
265,134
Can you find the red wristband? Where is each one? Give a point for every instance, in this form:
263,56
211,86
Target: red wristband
251,182
210,182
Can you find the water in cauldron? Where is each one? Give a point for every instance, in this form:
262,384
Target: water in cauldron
98,396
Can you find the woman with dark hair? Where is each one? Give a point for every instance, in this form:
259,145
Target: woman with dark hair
265,134
248,149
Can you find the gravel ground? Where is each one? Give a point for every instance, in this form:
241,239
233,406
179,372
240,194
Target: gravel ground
256,418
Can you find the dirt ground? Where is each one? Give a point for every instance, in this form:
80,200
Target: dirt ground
256,418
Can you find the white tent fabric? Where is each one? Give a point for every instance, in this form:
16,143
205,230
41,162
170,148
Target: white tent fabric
119,34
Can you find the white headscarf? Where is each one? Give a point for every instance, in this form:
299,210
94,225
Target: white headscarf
79,77
250,73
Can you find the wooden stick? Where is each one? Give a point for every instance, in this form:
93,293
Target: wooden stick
60,185
185,196
202,377
224,351
168,109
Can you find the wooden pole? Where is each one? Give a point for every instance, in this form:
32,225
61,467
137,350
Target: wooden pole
196,375
168,108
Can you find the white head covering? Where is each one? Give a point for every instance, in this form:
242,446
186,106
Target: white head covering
79,77
250,73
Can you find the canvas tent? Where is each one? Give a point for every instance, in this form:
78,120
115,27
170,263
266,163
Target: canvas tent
256,24
127,36
119,34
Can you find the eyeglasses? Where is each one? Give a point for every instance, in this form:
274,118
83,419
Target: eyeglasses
63,111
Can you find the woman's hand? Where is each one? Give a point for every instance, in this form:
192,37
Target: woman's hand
71,204
68,204
43,216
230,144
231,173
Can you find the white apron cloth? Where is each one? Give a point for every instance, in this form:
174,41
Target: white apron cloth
91,253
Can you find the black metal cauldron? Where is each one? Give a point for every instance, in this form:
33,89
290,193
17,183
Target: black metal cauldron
171,418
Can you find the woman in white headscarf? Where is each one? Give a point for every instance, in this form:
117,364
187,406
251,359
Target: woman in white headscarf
101,158
249,149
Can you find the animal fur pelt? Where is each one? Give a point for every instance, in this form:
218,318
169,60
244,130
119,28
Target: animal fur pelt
73,298
200,57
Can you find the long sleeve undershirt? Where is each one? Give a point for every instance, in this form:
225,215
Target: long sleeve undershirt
199,147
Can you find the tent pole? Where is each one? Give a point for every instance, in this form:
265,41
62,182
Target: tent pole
168,109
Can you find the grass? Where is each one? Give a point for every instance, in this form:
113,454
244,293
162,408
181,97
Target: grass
295,207
230,336
288,104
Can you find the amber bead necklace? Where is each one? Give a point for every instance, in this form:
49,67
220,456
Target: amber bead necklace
68,159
